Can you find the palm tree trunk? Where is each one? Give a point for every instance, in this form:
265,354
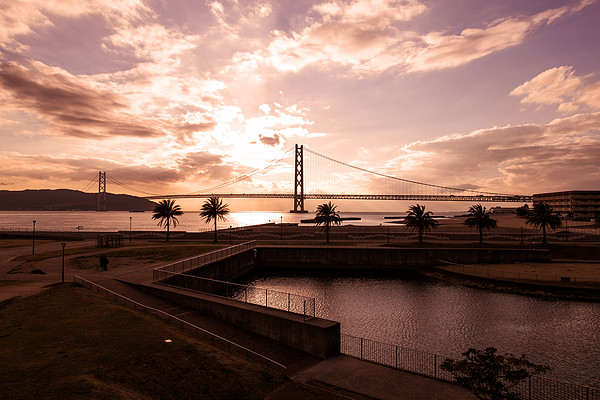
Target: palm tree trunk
215,230
168,225
420,235
327,231
480,234
543,234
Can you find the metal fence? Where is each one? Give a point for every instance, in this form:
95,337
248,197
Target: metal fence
198,261
186,327
269,298
518,276
428,364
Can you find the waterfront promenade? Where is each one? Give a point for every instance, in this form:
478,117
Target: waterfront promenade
310,376
340,377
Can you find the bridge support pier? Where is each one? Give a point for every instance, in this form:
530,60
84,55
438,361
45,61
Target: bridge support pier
298,181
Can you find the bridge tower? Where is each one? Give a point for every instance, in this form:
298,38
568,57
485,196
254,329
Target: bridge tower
299,181
102,191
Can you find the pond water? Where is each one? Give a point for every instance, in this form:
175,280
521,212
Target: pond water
421,313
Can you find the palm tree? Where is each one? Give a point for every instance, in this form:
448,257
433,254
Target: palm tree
327,216
479,218
418,219
214,209
166,211
541,215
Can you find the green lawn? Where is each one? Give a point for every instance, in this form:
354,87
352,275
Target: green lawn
70,343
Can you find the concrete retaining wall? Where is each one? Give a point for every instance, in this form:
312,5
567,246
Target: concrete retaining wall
228,269
318,337
389,258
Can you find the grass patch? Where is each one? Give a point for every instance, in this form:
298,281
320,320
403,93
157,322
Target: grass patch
55,253
141,256
70,343
4,283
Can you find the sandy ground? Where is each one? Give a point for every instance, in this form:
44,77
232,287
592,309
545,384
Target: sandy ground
579,269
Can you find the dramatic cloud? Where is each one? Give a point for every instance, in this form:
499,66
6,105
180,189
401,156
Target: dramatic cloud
72,107
18,18
445,51
175,97
560,86
527,158
365,36
74,172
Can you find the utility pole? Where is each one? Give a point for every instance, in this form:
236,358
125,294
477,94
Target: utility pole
33,239
63,262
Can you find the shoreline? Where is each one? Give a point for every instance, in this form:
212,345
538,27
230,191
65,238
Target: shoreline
542,291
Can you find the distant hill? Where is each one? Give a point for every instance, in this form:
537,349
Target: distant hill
68,200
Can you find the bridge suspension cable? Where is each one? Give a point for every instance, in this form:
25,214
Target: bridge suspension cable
243,177
453,189
89,185
129,187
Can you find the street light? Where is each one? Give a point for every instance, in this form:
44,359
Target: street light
63,262
130,229
229,234
33,239
281,224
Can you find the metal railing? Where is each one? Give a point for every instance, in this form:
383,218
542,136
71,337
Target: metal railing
428,364
189,264
269,298
518,276
186,327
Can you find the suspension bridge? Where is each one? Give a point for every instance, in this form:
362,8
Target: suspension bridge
317,176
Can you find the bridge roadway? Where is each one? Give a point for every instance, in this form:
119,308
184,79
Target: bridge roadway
319,196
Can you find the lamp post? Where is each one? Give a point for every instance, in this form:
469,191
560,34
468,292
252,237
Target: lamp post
130,229
63,262
229,234
79,228
281,224
33,239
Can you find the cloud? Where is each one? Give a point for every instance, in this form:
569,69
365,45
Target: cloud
205,165
73,172
366,37
19,18
270,140
72,107
530,158
560,86
151,42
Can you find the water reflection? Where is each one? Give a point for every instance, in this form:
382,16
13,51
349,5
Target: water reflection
424,314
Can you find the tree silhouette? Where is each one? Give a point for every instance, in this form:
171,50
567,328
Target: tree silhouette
523,211
418,219
166,211
480,219
214,209
327,216
491,376
541,215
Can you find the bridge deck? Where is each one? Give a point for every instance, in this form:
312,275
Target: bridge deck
424,197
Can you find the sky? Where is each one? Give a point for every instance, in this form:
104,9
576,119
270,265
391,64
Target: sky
182,95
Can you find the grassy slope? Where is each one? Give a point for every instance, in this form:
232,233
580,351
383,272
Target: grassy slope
69,343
